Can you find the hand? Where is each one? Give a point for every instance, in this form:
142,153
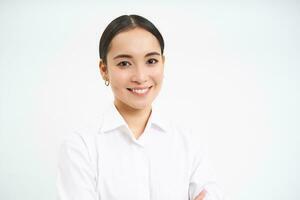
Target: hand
201,195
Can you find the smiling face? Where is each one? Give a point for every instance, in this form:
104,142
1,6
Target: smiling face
134,69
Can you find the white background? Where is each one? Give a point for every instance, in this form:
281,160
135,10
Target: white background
232,69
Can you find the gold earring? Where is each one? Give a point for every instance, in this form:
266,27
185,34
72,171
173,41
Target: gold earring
106,82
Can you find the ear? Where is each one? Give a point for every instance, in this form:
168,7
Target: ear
163,59
103,70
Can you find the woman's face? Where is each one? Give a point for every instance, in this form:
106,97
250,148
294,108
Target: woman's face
134,68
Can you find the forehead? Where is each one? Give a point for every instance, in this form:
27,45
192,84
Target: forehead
135,41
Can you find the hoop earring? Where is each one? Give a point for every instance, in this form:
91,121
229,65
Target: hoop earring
106,82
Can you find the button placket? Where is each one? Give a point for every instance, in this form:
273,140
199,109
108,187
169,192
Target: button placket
145,169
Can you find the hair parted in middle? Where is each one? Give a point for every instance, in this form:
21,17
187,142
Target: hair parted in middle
124,23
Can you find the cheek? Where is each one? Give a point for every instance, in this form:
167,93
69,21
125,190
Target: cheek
158,75
118,79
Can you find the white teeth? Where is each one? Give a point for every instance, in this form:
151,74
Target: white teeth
140,91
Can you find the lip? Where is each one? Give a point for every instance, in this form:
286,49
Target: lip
139,88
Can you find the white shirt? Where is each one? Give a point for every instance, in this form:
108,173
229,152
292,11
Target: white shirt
108,163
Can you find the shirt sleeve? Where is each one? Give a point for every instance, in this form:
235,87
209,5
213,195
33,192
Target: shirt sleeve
203,177
76,178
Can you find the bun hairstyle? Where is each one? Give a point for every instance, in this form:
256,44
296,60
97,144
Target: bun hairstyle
124,23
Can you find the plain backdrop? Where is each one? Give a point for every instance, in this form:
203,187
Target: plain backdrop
231,73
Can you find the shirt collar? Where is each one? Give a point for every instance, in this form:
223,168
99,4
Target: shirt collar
158,119
112,119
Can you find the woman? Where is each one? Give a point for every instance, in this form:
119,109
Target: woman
135,153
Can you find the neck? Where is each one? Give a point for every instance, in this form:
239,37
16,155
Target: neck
135,118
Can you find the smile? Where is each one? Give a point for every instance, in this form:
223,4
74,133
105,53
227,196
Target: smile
139,91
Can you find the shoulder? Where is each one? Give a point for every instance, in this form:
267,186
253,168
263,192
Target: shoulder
178,123
86,131
193,138
82,140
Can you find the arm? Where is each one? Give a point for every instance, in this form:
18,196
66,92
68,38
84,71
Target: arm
76,179
203,180
201,195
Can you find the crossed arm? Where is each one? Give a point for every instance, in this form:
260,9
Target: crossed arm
201,195
75,173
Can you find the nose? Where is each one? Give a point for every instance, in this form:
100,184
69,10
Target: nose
139,75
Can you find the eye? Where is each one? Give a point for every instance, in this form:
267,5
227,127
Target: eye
152,61
123,64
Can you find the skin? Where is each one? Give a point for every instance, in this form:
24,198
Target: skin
143,66
201,195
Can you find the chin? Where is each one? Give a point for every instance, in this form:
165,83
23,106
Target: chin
135,104
138,106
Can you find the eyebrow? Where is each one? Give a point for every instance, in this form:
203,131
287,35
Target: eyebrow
129,56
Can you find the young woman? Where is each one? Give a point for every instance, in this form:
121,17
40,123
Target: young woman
136,152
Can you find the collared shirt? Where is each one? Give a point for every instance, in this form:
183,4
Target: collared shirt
108,163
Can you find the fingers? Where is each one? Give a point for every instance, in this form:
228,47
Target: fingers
201,195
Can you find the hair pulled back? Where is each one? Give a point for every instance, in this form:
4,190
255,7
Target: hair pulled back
123,23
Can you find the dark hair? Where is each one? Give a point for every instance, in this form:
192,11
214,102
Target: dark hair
123,23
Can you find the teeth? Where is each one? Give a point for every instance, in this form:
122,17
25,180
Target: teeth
140,91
